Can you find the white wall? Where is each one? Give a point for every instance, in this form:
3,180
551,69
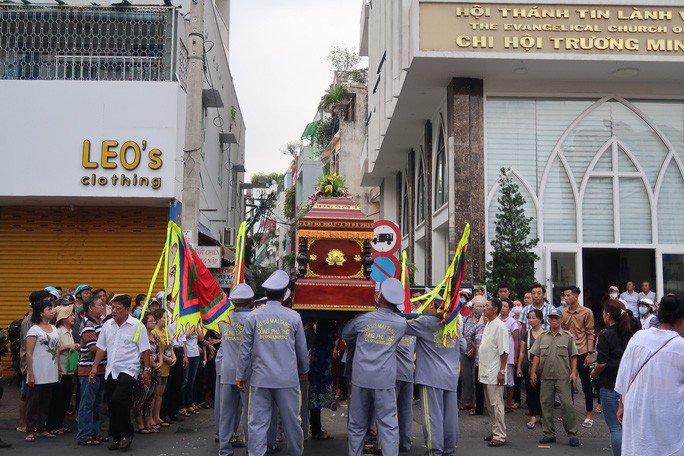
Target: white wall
45,124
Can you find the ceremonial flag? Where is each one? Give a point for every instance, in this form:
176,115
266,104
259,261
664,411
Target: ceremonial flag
213,304
405,282
239,268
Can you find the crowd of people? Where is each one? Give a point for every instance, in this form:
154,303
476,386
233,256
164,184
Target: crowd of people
268,374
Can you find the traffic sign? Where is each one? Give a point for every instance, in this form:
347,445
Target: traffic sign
385,267
386,237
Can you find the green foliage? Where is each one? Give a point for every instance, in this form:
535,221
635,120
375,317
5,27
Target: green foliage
512,256
360,75
325,131
326,167
331,101
290,203
292,148
288,261
331,185
262,273
343,59
266,179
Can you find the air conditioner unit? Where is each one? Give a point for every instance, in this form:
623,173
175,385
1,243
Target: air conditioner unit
229,237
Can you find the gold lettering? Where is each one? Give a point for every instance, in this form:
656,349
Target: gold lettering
123,155
155,159
108,153
85,160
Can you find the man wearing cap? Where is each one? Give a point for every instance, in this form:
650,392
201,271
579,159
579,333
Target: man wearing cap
374,372
437,377
273,357
555,360
229,400
82,292
579,321
92,390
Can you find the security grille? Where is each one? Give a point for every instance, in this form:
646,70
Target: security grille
87,43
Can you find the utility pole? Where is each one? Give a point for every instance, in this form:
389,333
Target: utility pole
192,148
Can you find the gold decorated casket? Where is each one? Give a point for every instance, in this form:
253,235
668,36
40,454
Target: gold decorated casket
334,257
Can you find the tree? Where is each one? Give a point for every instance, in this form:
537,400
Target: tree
292,148
512,256
333,98
343,59
268,179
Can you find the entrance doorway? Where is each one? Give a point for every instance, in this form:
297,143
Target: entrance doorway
605,267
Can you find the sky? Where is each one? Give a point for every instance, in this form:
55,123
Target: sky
278,53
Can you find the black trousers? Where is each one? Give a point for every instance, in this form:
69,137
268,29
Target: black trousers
119,397
315,421
171,401
587,387
61,396
37,404
479,394
532,392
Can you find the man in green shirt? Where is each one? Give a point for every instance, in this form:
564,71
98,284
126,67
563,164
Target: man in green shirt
555,363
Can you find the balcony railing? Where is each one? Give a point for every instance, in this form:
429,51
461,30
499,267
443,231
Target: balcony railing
136,43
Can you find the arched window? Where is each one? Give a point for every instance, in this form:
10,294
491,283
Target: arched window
405,210
440,172
420,193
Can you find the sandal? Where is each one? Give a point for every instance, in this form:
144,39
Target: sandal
58,431
183,413
30,438
91,442
496,443
587,423
101,439
162,424
47,435
144,431
472,412
531,425
322,436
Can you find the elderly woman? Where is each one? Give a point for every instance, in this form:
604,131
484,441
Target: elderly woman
42,365
468,347
68,362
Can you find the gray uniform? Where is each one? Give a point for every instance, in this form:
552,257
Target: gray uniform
404,389
273,349
229,401
374,374
437,373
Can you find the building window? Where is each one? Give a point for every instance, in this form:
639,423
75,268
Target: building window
420,194
440,172
405,211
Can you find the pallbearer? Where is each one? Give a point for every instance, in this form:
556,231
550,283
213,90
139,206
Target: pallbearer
229,401
404,390
437,377
374,373
273,349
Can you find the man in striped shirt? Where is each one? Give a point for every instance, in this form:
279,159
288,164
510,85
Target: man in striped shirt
92,392
538,302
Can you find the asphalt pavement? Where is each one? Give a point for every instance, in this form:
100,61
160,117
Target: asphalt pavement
195,436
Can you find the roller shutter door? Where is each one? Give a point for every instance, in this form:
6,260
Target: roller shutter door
115,248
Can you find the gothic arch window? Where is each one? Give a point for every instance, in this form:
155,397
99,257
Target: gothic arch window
420,192
441,188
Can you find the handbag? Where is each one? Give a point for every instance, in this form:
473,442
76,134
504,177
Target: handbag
647,360
72,360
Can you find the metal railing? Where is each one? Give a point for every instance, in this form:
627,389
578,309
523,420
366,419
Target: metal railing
87,43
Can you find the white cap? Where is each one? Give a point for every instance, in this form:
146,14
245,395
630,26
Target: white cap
159,296
242,291
287,295
277,281
647,301
392,291
437,298
516,311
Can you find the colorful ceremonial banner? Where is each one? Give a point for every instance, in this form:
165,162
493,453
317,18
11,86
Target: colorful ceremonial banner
197,297
405,282
239,270
450,308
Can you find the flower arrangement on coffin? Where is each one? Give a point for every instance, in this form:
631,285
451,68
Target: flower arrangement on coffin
329,185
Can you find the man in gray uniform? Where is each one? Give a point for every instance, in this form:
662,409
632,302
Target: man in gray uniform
374,373
229,400
437,375
404,390
272,358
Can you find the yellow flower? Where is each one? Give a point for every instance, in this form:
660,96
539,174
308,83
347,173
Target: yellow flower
328,188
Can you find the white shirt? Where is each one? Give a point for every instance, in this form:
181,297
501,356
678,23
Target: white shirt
123,355
177,340
654,402
632,301
44,354
646,321
494,344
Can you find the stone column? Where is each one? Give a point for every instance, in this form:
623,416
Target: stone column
428,202
465,119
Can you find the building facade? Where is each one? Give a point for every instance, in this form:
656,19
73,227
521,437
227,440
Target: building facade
92,140
581,104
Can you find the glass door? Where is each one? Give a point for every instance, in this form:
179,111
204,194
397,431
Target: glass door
561,272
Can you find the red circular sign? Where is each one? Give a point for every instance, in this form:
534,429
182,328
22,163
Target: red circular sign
386,238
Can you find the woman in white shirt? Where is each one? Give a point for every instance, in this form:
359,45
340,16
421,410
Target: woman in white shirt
647,316
42,363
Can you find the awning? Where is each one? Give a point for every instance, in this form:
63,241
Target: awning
310,130
206,237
